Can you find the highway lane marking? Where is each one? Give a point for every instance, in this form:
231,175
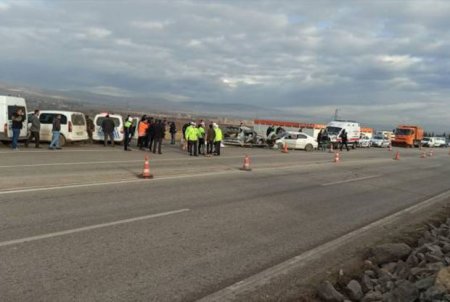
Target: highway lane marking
349,180
89,228
257,281
124,161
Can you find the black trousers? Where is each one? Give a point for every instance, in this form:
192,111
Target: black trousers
35,135
217,147
209,147
150,140
157,142
201,146
342,145
192,147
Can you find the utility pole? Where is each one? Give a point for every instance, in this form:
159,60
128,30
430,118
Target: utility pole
336,114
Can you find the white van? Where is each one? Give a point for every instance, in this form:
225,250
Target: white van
118,130
8,106
73,126
353,129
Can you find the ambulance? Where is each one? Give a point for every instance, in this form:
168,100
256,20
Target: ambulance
335,128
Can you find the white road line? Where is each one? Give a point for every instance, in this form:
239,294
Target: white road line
251,284
122,161
89,228
349,180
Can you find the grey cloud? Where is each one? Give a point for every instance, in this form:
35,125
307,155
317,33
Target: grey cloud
315,55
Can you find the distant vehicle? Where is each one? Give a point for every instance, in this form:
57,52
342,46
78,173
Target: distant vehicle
408,136
73,126
386,134
242,136
365,142
297,140
118,130
380,141
8,106
435,142
334,130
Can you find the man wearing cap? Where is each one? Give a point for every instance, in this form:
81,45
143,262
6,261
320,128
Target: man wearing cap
192,138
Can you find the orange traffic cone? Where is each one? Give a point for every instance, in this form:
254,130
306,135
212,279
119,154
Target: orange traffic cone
246,165
285,148
423,155
146,173
397,156
336,157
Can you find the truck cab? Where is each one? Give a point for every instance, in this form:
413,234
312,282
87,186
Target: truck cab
408,136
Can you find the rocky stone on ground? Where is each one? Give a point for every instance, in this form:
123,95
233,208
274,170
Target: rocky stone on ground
389,252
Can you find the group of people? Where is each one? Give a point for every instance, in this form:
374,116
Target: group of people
18,118
202,141
323,140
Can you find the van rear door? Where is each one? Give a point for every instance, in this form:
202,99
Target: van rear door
77,127
11,110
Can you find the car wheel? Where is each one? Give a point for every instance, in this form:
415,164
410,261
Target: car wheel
309,148
62,140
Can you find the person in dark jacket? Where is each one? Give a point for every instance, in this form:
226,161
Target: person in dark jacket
108,130
173,132
319,140
269,130
344,140
128,128
17,125
159,136
34,129
151,133
56,129
210,137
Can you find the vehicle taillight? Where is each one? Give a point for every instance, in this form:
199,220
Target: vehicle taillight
70,126
5,129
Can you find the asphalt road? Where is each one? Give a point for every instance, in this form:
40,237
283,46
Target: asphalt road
78,225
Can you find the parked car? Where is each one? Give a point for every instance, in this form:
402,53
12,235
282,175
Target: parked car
118,130
297,140
73,126
8,106
242,136
434,142
380,141
365,142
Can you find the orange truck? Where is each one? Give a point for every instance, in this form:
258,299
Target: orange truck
408,136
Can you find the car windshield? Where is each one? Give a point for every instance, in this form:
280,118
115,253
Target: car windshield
403,131
426,139
378,137
333,130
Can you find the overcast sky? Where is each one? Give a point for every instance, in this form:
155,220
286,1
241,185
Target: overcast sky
379,62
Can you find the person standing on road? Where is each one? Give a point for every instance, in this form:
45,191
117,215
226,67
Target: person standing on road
320,141
34,129
17,125
217,139
344,140
56,129
127,127
192,138
90,127
201,138
210,136
159,136
142,132
108,130
151,134
173,132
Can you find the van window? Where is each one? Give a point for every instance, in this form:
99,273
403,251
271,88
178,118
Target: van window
100,119
13,109
78,120
333,130
47,118
302,136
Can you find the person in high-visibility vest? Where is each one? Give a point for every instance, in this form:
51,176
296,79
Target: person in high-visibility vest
201,138
142,132
127,128
217,139
192,138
